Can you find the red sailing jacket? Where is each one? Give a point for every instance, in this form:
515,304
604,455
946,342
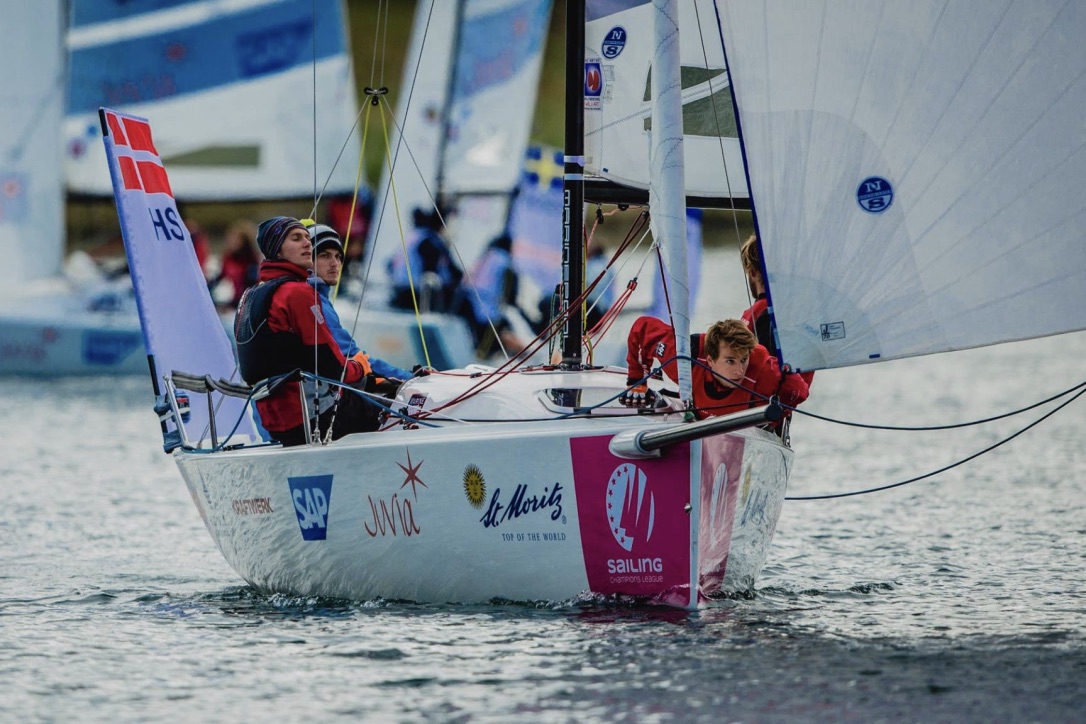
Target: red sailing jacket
651,338
757,320
291,335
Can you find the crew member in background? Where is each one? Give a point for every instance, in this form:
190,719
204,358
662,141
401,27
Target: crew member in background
741,374
493,286
240,262
757,317
434,272
280,328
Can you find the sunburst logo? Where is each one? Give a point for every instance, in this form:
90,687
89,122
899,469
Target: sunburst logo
474,486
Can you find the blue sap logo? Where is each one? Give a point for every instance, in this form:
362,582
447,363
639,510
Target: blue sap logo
273,49
614,42
109,348
875,194
312,496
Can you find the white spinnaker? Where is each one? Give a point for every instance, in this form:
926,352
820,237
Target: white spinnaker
971,113
464,137
31,111
240,102
619,37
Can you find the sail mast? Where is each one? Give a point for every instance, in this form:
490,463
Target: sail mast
573,186
667,196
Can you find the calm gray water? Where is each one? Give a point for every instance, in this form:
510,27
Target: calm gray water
960,598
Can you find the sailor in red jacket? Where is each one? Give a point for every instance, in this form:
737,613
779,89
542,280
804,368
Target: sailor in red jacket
741,372
279,328
757,317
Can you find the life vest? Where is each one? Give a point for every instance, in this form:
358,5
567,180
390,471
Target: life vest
263,353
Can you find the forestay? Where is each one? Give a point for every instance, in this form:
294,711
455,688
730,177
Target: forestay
916,170
618,108
181,328
232,88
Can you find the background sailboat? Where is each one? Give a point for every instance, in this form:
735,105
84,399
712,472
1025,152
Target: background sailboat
228,80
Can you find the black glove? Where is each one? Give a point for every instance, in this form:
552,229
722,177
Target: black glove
386,386
420,371
637,394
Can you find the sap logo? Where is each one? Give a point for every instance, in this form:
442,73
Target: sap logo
312,496
109,348
274,49
631,513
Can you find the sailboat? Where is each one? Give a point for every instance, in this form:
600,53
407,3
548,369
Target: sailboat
568,493
891,226
200,67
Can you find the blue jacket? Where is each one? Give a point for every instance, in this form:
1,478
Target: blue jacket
343,338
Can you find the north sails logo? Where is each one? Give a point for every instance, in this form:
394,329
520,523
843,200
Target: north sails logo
312,496
631,514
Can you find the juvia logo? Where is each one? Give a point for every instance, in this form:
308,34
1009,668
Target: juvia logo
312,496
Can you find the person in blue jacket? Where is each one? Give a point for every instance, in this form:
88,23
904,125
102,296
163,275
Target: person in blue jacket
327,267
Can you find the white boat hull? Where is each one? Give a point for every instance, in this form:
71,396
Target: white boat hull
47,331
533,510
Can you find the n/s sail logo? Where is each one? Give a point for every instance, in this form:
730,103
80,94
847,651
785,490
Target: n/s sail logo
875,194
631,507
312,497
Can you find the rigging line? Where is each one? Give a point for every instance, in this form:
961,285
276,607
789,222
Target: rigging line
354,198
403,240
716,122
943,469
313,27
331,171
392,165
891,428
952,426
376,44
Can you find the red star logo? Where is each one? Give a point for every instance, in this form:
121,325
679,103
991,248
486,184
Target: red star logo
412,476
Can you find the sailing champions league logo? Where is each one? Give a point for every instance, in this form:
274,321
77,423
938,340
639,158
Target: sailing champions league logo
631,514
312,497
875,194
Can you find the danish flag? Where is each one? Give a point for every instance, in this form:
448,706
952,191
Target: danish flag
138,175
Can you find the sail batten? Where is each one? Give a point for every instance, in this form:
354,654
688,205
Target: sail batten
916,171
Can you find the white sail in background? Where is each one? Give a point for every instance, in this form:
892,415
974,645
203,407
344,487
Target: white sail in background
618,108
916,170
466,103
230,87
31,113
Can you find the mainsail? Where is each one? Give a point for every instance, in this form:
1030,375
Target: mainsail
232,87
916,171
